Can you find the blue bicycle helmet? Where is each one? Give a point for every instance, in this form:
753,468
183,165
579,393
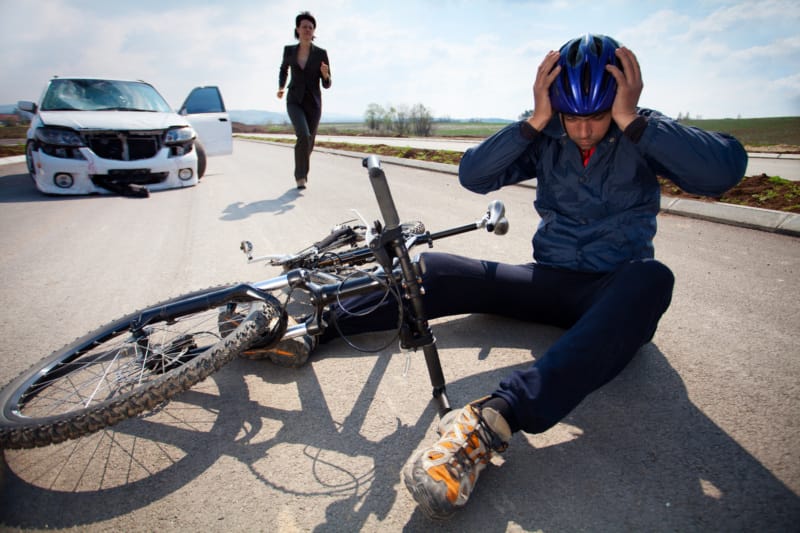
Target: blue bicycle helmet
584,87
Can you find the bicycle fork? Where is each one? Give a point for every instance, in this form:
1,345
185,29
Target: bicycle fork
387,246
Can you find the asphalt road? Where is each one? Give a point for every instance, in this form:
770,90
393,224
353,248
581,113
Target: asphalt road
700,433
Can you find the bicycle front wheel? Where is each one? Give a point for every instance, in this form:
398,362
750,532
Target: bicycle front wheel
134,364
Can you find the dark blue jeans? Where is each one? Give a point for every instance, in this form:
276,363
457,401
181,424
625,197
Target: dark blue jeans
305,118
607,318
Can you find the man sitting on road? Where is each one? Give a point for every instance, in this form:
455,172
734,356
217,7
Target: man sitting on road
596,157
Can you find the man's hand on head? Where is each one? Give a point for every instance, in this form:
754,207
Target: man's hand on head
629,87
542,108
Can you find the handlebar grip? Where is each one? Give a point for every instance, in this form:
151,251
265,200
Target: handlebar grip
496,214
391,219
334,236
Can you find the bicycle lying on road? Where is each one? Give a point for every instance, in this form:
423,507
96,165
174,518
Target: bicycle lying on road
140,361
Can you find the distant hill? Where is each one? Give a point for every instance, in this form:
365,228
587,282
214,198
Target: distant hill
8,109
491,120
255,117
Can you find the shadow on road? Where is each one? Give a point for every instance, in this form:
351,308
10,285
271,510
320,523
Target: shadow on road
637,455
277,206
18,188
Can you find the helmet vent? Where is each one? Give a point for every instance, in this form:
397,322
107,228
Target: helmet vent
573,57
586,80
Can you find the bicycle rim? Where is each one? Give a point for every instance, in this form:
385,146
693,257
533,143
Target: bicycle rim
131,365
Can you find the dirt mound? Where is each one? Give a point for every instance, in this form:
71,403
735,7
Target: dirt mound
754,191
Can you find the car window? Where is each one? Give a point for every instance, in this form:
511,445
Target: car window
203,100
99,95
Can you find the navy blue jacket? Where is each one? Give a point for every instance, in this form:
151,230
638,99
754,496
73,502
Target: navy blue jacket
597,217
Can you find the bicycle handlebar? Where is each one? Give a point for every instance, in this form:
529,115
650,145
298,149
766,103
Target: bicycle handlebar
383,195
329,252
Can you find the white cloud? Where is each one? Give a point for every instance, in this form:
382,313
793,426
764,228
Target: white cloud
459,58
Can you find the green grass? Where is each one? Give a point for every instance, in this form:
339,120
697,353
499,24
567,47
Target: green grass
752,132
13,132
755,131
467,129
440,129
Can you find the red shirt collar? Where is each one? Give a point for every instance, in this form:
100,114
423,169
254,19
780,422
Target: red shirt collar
587,154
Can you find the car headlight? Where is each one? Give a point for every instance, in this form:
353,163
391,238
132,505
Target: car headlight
179,135
59,137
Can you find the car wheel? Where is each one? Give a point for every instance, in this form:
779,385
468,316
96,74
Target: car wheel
201,159
29,160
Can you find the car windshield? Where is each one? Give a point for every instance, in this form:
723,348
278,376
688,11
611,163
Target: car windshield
102,95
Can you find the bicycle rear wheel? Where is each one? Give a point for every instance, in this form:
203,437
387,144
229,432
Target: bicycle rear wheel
133,364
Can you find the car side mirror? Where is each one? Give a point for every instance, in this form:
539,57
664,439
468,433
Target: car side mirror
27,106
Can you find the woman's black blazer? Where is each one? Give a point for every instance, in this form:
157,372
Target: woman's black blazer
303,79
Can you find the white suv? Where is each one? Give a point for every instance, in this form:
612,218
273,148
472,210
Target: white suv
90,135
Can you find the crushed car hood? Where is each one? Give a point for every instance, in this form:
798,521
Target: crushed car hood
112,120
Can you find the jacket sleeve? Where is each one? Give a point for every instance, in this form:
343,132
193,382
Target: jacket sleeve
500,160
283,72
697,161
326,84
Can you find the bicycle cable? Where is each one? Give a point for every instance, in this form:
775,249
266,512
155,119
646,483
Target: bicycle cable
391,288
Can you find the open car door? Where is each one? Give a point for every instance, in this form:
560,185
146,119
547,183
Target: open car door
205,111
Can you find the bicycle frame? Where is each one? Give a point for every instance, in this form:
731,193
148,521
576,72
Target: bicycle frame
389,247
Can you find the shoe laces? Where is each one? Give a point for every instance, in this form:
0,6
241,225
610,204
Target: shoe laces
469,440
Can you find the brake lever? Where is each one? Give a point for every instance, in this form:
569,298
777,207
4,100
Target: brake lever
495,220
275,260
247,248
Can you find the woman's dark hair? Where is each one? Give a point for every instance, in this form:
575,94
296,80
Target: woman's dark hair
305,15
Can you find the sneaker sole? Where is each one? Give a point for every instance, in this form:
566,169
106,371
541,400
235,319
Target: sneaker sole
278,357
419,491
287,359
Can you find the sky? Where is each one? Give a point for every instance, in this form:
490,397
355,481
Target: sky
460,59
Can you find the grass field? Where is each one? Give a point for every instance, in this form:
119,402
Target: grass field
752,132
756,131
440,129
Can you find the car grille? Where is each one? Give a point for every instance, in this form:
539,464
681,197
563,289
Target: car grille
141,176
129,146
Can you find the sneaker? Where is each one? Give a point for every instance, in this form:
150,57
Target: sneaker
301,183
291,353
442,477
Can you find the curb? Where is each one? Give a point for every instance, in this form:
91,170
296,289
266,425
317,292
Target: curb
767,155
737,215
12,159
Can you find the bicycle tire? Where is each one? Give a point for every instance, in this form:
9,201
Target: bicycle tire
132,365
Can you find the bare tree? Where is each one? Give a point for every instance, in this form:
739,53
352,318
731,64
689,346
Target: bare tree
421,120
373,117
400,120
